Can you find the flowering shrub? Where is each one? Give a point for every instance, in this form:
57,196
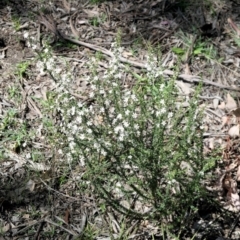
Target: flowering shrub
141,150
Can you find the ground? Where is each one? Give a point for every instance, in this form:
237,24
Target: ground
202,38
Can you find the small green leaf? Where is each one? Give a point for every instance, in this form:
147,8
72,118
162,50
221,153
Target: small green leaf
179,51
138,77
198,51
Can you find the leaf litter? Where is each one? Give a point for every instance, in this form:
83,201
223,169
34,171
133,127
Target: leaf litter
145,20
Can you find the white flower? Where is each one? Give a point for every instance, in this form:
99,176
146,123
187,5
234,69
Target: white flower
34,46
89,123
161,87
127,112
82,136
162,101
79,119
119,116
112,110
133,97
69,157
60,151
118,75
74,129
158,113
50,64
91,95
163,110
93,87
82,161
163,123
81,113
125,124
80,104
102,91
119,129
104,153
135,115
136,126
72,145
148,67
96,146
89,130
73,111
46,50
26,35
121,137
107,103
58,70
170,115
40,67
70,139
120,49
125,100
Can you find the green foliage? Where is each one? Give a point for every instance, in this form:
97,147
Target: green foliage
96,21
13,131
178,51
16,22
199,48
22,69
96,1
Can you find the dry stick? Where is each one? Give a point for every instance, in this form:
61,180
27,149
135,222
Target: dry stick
234,26
192,78
30,224
185,77
36,236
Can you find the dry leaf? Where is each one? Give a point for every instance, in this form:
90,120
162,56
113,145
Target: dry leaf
222,105
126,54
215,103
231,103
211,143
30,185
232,166
66,217
234,131
184,87
6,228
224,121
